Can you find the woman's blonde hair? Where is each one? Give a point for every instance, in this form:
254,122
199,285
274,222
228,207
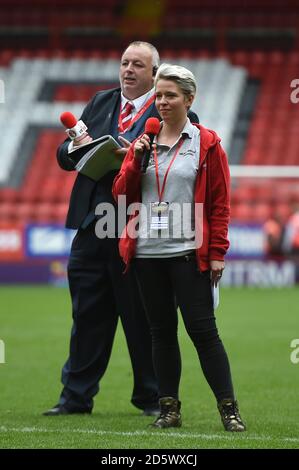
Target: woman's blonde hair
183,77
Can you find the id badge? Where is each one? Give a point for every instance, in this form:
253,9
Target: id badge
159,215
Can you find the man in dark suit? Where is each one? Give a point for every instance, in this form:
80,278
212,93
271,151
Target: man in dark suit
100,291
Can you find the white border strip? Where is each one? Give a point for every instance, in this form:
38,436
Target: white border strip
264,171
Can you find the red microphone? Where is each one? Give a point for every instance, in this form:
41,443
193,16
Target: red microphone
75,129
152,128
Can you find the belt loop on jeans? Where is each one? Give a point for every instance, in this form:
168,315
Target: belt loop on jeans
189,257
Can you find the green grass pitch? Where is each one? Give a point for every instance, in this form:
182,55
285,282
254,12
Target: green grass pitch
256,326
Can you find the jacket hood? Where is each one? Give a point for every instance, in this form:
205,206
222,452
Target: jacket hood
208,138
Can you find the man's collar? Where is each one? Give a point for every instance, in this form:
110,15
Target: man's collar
138,102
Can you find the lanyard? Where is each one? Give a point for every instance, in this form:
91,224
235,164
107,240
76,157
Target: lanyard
161,192
138,115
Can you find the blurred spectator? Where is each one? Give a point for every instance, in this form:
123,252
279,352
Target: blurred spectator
274,230
290,242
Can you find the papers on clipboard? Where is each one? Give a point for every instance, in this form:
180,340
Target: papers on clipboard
98,158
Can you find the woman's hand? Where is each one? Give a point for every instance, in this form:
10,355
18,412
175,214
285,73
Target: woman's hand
140,146
216,271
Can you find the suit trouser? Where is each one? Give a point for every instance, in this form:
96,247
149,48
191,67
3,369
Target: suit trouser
166,283
100,293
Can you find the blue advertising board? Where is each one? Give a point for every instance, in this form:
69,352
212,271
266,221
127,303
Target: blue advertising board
48,241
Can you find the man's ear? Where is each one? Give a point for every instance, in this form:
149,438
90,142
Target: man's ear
155,68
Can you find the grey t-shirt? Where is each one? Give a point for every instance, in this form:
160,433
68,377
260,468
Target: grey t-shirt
179,194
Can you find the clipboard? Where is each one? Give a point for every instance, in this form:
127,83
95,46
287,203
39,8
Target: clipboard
97,158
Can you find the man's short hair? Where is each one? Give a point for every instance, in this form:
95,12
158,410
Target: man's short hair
155,53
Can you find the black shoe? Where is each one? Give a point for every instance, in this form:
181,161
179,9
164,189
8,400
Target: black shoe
62,410
151,411
170,416
230,415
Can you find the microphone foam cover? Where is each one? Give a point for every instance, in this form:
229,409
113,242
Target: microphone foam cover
152,126
68,119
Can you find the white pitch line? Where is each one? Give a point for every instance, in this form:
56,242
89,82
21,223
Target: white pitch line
4,429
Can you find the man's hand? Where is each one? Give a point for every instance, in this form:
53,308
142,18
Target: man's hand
216,271
82,140
120,153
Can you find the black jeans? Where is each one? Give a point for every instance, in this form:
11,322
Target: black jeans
166,283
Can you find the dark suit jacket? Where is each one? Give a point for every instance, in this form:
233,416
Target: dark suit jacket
101,117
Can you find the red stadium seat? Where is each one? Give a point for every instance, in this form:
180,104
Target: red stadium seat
8,195
25,212
261,212
7,211
60,212
242,212
44,212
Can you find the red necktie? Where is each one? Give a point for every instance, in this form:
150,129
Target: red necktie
126,116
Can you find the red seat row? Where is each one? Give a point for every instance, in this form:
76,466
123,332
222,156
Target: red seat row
247,212
27,212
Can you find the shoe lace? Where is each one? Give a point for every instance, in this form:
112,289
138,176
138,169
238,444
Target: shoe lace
230,411
167,414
